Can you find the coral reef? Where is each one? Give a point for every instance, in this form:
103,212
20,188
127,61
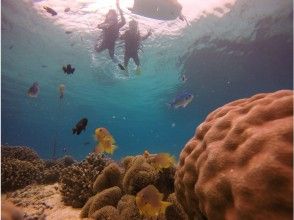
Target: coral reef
239,164
20,166
109,196
106,213
128,209
139,175
53,169
110,176
19,152
175,211
77,180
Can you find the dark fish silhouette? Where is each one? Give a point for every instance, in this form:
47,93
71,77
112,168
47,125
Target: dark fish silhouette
121,67
81,125
68,32
50,10
68,69
67,10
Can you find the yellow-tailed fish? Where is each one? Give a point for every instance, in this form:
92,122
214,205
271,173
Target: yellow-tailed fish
162,160
149,202
106,141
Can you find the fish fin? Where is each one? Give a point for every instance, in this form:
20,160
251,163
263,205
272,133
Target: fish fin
163,206
72,70
64,69
74,130
111,149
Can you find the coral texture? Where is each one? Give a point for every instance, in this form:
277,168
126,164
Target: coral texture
53,169
107,197
139,175
110,176
77,180
239,163
106,213
175,211
128,209
19,152
20,166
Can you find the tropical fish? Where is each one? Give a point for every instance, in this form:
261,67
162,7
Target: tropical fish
182,100
61,90
149,202
34,90
106,141
81,125
68,69
50,10
162,160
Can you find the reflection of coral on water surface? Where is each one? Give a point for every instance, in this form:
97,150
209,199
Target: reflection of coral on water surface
237,166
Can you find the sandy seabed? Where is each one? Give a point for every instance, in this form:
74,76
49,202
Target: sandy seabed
41,202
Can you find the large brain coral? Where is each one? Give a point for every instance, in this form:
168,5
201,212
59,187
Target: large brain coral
239,163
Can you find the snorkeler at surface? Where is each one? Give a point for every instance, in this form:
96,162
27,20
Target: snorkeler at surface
110,28
132,39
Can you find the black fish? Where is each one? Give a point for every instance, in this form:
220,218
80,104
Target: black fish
81,125
68,32
121,67
67,10
50,10
68,69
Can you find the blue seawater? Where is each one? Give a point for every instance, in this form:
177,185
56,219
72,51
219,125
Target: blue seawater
245,51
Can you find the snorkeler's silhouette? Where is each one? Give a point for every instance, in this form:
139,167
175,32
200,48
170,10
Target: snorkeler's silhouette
110,28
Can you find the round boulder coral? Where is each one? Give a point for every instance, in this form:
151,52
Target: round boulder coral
109,177
239,164
109,196
139,175
106,213
128,209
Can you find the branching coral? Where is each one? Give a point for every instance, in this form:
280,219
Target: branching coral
53,169
77,180
19,152
20,166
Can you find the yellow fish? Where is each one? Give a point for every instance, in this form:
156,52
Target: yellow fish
162,160
149,202
106,141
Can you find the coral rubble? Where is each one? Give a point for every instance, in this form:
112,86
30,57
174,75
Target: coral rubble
239,164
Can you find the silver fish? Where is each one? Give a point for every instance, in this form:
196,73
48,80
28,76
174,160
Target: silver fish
182,100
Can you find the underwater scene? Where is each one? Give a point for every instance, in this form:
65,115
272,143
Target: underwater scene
146,109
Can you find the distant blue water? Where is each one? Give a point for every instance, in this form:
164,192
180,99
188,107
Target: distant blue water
219,69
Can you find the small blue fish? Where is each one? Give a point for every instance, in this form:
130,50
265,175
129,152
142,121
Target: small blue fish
182,100
34,90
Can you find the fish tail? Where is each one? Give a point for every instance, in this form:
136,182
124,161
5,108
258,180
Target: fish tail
74,130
